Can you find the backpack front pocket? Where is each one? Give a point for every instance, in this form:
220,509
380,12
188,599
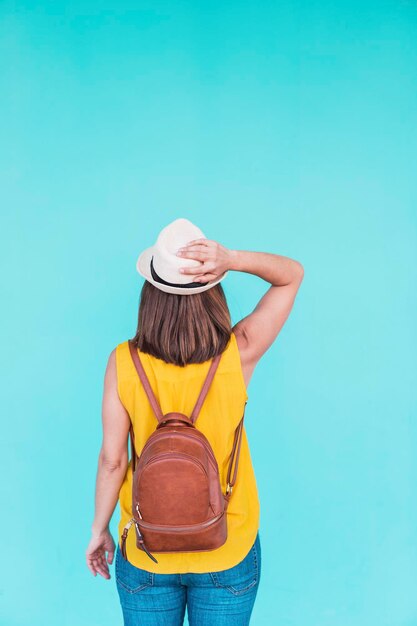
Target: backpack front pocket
173,488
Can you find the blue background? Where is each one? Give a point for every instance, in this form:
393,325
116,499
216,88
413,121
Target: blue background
287,127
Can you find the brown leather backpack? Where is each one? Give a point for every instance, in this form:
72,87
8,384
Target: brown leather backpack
177,500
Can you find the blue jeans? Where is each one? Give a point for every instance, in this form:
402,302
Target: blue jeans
223,598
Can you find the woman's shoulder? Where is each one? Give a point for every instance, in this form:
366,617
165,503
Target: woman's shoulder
122,355
123,345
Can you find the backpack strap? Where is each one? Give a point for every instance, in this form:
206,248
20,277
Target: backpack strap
152,399
145,382
206,386
234,455
151,396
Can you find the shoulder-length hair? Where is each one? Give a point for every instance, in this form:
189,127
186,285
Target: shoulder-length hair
182,329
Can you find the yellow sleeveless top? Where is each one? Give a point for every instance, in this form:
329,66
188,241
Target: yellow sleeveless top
176,388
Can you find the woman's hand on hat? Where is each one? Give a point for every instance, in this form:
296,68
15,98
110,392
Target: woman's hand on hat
214,257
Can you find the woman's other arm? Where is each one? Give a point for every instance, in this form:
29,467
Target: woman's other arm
111,470
258,330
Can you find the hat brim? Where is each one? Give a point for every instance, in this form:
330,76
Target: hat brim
143,267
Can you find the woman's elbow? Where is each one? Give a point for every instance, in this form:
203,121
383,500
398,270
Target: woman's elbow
113,462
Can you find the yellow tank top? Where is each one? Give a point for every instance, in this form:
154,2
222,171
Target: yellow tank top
176,389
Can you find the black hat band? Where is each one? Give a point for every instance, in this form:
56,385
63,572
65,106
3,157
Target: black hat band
158,279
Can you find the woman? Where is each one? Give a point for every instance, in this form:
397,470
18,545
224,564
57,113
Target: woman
184,322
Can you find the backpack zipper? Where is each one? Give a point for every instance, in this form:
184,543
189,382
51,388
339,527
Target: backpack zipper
192,459
150,526
206,445
179,529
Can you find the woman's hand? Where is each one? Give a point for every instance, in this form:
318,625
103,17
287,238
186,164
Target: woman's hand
96,553
215,259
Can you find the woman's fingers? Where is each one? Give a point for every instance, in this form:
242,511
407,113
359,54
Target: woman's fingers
195,250
193,253
91,567
202,241
101,567
198,245
96,551
192,270
203,269
204,278
97,564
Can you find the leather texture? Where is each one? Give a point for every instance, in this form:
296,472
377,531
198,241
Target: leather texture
177,500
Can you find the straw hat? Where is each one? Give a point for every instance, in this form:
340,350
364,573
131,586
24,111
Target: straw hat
160,264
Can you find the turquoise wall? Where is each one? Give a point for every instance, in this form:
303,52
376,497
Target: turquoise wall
287,127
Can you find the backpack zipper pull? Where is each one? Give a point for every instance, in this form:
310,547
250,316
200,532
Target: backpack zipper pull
142,542
124,536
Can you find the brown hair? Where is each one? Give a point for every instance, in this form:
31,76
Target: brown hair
182,329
